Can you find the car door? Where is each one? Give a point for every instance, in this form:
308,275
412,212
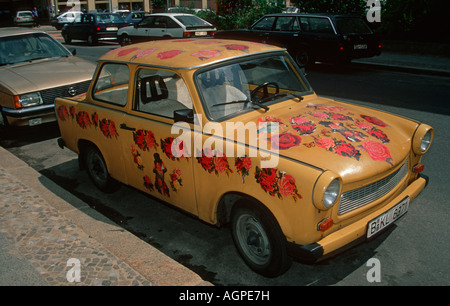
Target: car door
159,28
285,31
320,35
151,164
140,32
80,28
261,30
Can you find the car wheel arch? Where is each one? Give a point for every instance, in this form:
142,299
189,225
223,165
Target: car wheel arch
229,200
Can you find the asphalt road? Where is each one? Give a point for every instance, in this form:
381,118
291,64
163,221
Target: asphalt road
413,252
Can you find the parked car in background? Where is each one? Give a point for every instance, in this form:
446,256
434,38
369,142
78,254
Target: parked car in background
34,70
23,18
166,26
293,173
93,27
134,17
313,37
68,17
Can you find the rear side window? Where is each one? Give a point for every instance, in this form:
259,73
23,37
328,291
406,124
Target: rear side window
112,84
316,25
287,23
348,26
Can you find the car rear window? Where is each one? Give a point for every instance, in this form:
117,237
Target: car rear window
192,21
25,14
349,26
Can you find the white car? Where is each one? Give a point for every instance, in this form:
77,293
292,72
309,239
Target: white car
166,26
23,18
64,18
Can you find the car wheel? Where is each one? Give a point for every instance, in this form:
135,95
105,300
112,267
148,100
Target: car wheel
259,239
67,38
98,171
125,40
302,58
91,40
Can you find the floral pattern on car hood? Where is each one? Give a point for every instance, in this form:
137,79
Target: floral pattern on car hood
352,141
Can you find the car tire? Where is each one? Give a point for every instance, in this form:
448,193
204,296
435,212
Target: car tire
67,38
302,58
92,41
125,40
98,171
259,239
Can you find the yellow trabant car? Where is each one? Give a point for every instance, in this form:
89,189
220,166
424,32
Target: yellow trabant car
232,132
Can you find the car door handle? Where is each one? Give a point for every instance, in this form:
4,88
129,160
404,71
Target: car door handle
124,126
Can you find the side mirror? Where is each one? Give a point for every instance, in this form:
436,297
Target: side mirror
183,115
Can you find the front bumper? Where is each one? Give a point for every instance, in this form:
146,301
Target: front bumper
22,117
350,235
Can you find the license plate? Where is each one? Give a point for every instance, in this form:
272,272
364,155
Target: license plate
359,47
35,121
201,33
387,218
111,29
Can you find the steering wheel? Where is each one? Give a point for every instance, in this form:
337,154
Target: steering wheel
265,91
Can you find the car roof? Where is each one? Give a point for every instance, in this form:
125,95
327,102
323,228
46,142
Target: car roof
185,53
312,15
171,14
5,32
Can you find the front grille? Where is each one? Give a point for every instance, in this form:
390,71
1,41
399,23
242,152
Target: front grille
49,95
357,198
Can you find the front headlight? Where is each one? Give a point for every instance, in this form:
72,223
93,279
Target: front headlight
327,190
422,139
27,100
331,194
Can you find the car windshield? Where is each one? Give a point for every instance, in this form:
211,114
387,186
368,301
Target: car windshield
348,26
229,90
192,21
29,47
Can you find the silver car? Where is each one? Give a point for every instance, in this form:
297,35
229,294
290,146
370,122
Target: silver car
166,26
23,18
34,70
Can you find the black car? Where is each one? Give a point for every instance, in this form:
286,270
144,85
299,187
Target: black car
313,37
93,27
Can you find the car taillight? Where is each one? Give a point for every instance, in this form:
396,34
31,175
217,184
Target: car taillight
212,33
187,34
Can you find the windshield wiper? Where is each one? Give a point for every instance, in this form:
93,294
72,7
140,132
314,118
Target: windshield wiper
244,101
282,94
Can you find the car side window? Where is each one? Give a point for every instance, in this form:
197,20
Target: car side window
265,24
287,23
160,92
316,25
146,22
112,84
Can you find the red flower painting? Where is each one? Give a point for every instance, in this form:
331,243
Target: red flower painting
206,54
284,141
374,120
277,183
169,54
377,151
236,47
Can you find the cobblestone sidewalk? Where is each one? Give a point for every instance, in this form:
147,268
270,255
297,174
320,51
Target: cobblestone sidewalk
48,240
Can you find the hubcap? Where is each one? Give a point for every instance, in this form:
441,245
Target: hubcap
253,239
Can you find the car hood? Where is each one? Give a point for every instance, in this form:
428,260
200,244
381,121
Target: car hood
44,74
352,141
